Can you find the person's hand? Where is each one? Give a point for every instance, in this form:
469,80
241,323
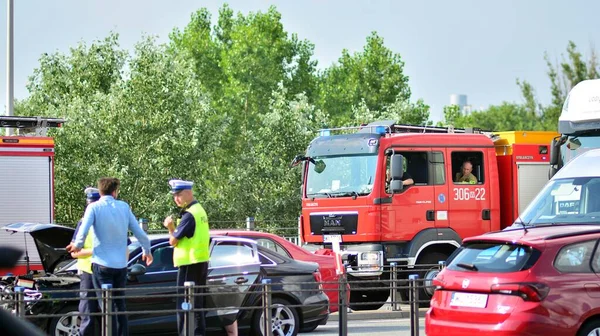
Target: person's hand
168,223
72,248
147,258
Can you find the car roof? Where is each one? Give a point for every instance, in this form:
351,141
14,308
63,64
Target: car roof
585,164
538,235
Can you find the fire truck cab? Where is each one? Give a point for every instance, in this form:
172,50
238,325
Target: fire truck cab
392,193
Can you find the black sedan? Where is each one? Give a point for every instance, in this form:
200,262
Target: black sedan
237,265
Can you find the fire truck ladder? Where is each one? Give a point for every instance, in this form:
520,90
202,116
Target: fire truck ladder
27,125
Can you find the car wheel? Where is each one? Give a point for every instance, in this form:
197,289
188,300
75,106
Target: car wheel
285,320
67,324
591,328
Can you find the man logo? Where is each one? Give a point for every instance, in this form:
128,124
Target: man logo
465,283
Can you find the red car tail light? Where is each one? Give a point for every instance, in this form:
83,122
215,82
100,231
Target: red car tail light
438,284
529,291
318,279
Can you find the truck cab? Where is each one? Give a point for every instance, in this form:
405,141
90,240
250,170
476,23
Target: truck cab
578,124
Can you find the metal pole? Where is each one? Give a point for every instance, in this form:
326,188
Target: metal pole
343,310
107,317
441,264
394,287
20,301
189,322
10,64
414,304
267,323
250,223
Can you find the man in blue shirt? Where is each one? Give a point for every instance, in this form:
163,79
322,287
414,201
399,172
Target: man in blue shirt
111,220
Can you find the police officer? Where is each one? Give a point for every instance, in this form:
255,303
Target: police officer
87,303
190,239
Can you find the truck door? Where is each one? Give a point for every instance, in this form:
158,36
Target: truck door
469,200
413,209
439,180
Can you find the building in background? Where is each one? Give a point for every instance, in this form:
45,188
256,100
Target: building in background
460,100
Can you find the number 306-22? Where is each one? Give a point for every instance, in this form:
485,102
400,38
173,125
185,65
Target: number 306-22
465,194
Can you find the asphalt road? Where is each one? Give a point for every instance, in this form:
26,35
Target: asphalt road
371,327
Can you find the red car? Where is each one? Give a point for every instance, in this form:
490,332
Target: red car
291,250
541,280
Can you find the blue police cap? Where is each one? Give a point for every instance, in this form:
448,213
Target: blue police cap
179,185
92,194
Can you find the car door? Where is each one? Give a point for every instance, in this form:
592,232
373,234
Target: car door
233,268
148,292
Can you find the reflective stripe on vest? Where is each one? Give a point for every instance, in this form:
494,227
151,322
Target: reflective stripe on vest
193,250
85,264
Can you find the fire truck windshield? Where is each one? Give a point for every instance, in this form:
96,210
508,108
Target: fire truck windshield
351,175
565,201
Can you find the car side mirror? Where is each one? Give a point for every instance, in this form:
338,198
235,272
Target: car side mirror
137,269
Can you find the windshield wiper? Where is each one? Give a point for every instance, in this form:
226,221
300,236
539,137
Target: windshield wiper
345,193
319,194
467,266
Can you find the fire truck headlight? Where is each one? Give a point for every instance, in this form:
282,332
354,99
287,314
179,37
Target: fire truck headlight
370,256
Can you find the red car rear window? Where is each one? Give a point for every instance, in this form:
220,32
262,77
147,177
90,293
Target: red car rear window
493,257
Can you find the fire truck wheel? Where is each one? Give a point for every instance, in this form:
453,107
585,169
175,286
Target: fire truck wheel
368,300
428,274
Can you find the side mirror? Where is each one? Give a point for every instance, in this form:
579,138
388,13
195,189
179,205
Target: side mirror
554,151
137,269
320,166
396,172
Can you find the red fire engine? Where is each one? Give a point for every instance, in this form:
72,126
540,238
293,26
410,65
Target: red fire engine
27,189
353,194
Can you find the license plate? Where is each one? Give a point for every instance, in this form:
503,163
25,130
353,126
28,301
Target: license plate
469,300
332,238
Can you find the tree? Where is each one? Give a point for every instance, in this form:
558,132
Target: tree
150,126
374,77
563,77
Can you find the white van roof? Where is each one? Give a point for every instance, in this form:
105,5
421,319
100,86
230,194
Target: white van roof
586,164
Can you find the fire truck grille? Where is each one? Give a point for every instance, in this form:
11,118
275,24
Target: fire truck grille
333,223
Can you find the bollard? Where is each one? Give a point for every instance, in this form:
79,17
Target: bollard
20,301
267,322
393,287
442,264
414,304
249,223
143,224
107,303
189,321
342,308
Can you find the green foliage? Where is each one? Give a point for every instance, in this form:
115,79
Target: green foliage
374,78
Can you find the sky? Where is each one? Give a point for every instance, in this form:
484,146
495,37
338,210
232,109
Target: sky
476,48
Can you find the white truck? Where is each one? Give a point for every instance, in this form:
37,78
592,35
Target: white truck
27,183
578,124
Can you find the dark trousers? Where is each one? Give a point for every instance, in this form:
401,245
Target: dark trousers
117,277
198,274
88,303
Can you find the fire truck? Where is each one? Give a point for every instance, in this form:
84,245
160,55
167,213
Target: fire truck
578,124
353,196
27,188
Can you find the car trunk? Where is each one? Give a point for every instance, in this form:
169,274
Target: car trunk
486,282
50,241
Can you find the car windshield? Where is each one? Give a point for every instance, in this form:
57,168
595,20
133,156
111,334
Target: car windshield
493,257
568,201
338,176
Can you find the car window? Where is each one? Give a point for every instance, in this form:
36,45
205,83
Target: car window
494,257
273,246
163,260
575,258
226,254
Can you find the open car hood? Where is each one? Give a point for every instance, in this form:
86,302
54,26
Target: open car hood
50,241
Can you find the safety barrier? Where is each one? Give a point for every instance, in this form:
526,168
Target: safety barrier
21,301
